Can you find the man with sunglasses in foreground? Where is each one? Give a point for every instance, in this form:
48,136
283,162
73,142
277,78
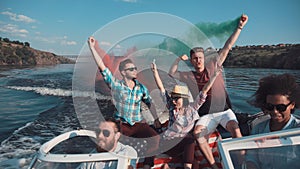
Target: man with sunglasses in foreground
278,96
127,96
108,135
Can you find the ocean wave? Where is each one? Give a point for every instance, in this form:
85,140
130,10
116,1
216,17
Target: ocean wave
18,149
43,90
59,92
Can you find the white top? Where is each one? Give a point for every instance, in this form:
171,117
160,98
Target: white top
122,151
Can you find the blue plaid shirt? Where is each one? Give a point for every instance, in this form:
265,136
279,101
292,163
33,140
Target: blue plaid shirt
127,101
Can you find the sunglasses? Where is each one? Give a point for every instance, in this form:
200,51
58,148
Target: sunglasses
279,107
131,69
106,133
175,98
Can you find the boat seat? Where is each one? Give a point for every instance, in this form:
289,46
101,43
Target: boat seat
175,162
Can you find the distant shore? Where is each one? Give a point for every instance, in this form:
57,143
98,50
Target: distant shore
18,54
280,56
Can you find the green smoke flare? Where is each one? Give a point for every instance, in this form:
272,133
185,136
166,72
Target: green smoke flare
219,31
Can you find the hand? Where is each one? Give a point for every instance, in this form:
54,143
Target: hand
91,41
153,66
157,123
243,21
184,57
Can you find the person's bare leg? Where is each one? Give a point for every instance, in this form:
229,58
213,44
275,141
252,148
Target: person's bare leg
233,127
199,133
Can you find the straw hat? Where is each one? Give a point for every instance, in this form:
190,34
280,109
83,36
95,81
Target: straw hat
180,91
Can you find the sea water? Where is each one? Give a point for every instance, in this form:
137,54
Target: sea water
36,105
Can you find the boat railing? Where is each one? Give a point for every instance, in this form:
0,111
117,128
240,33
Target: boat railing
45,155
266,140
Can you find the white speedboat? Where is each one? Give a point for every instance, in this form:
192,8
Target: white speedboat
73,148
281,138
47,158
63,152
229,148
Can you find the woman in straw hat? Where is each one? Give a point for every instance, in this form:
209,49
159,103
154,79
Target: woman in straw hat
182,117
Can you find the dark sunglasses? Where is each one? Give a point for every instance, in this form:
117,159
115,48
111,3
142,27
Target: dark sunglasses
131,69
175,98
279,107
106,133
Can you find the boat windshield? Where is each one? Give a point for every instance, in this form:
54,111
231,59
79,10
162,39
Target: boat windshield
281,148
76,149
40,164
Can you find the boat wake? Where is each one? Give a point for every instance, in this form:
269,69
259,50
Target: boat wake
59,92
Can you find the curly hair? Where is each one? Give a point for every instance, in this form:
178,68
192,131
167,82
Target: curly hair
283,84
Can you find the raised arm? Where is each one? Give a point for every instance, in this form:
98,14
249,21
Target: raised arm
173,69
92,42
160,86
157,77
212,79
232,39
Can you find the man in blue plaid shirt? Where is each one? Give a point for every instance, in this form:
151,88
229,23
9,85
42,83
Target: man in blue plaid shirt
127,96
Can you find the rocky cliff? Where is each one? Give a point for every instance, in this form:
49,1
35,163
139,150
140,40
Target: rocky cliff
16,54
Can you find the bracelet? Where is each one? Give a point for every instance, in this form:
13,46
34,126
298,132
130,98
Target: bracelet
240,27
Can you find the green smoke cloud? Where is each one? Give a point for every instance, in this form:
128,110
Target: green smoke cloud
220,31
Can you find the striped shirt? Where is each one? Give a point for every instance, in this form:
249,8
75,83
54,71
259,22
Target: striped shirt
127,101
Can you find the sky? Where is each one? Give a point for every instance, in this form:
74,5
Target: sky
63,26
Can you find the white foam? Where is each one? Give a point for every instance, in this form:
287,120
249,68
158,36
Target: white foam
20,149
44,90
59,92
14,163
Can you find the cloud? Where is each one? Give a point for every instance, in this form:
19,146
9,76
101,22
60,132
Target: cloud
13,30
59,40
46,40
69,43
102,43
64,41
118,46
116,50
19,18
130,1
